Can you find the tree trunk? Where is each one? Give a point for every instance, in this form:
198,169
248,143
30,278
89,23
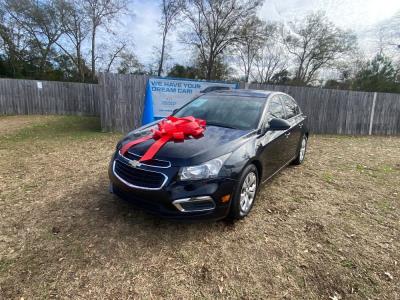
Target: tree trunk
93,53
247,68
79,62
210,65
247,75
79,39
160,66
43,59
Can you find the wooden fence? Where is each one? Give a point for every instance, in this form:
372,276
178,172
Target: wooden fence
345,112
29,97
119,101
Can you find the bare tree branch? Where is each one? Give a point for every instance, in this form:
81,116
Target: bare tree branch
315,43
215,26
171,11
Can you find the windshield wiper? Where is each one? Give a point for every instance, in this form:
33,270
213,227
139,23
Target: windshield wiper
220,125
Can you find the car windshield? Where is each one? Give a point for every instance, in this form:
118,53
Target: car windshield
225,111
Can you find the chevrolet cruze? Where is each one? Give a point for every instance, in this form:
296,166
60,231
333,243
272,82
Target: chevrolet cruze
249,136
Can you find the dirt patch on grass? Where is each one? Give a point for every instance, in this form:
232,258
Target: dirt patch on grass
327,228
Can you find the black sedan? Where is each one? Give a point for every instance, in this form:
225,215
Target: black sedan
250,135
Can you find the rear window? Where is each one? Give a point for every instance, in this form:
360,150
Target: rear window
275,109
291,107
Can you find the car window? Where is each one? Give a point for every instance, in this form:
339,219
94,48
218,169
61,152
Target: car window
225,110
275,109
291,107
214,88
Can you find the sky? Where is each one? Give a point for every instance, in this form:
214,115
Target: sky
349,14
357,15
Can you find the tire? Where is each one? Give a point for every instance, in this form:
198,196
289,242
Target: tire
247,186
302,151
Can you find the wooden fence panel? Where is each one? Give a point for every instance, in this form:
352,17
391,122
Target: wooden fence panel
332,111
122,101
24,97
387,114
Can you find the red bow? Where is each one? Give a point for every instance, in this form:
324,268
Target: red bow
171,129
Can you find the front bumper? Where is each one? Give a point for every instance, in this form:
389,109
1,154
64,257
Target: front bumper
171,200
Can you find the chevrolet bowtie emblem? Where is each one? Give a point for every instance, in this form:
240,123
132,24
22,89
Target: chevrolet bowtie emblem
135,163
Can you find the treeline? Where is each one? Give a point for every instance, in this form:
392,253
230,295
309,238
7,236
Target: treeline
309,51
59,40
227,34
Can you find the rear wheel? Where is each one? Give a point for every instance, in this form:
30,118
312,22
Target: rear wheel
302,151
245,194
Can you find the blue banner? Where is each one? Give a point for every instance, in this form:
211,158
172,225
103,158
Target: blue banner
164,95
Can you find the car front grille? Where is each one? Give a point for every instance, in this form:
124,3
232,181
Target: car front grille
152,162
139,178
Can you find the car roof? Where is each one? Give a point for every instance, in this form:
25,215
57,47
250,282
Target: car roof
243,93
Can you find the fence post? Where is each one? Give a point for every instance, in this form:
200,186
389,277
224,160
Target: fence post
371,121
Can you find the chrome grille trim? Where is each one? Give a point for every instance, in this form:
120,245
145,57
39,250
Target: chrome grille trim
147,165
137,186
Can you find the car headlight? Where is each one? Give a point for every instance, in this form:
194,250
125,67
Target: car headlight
209,169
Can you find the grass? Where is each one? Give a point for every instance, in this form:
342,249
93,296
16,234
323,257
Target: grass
327,228
328,177
67,127
4,265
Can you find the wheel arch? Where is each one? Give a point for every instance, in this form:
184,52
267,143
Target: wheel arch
258,166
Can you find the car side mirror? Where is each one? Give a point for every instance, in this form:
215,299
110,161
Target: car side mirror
278,124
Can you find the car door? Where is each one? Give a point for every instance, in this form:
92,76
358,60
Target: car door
293,117
273,143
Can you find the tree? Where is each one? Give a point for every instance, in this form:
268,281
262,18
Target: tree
270,58
100,12
378,75
170,10
180,71
76,29
117,56
215,26
269,61
315,43
281,77
40,22
47,39
12,44
220,68
251,38
129,64
388,37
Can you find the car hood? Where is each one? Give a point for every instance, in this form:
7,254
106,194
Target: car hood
216,141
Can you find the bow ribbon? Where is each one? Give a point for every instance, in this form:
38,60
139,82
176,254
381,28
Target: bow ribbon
172,129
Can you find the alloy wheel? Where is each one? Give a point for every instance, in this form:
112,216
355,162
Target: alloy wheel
303,148
248,192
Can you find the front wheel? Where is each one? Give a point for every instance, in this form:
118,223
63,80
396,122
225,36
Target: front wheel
302,151
245,194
